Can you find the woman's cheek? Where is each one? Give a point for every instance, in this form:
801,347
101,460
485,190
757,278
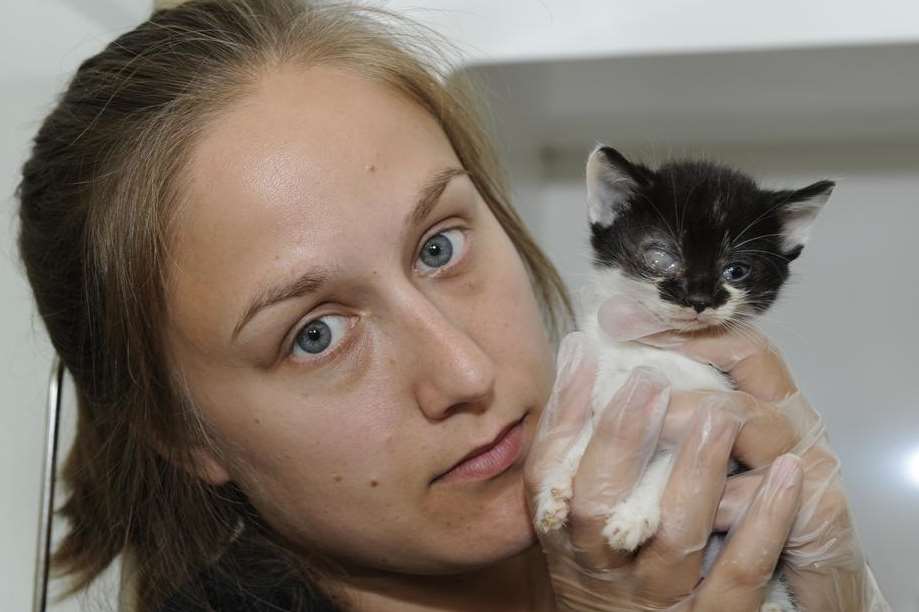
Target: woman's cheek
519,339
298,481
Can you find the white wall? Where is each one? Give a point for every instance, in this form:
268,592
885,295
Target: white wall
43,40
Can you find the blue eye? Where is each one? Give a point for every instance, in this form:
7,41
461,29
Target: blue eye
735,272
319,334
440,249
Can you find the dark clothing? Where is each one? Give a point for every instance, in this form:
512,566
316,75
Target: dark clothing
241,582
224,597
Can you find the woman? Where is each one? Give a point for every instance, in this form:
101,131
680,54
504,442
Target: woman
270,243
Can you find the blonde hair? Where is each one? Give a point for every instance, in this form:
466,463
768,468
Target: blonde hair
97,197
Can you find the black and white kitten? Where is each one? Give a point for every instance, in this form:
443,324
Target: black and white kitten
699,245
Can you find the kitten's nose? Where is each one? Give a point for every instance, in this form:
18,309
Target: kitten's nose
699,302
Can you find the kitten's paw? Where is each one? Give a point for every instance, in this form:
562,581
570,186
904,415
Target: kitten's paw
629,525
778,599
552,507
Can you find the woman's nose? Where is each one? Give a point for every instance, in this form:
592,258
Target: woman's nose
451,372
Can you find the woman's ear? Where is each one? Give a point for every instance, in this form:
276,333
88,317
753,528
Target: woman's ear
200,460
207,467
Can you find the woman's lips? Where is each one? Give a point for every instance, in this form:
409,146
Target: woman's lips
490,461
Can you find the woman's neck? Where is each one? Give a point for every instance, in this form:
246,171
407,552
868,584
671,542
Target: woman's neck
517,584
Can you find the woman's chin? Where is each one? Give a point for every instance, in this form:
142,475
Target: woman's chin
500,528
487,552
508,534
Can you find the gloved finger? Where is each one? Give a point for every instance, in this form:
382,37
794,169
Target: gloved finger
755,365
564,417
823,561
738,494
625,319
739,491
671,561
740,575
624,439
766,434
843,589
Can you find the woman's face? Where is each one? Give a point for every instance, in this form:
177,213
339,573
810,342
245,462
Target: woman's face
352,321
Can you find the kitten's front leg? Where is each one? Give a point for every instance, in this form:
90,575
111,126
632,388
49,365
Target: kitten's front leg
635,519
555,493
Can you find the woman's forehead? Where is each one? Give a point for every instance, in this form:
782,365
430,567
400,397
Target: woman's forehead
313,157
317,135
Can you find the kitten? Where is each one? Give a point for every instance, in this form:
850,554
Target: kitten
700,245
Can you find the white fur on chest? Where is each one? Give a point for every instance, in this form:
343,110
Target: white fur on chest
615,360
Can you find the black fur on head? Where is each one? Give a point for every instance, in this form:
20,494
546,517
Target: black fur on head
699,242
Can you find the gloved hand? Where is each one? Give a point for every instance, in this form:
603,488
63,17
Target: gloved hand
823,561
664,573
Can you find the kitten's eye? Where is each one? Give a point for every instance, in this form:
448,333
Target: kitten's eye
319,334
661,261
735,272
441,249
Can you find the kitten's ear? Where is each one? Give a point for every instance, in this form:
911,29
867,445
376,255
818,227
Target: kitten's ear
798,210
611,179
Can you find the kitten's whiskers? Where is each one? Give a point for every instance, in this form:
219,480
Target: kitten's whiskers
737,246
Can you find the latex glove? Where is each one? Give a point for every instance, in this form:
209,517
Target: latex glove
664,573
823,561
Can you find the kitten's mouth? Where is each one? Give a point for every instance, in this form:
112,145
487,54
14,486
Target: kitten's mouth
695,322
691,325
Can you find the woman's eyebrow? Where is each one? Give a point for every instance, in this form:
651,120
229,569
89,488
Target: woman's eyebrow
312,281
430,193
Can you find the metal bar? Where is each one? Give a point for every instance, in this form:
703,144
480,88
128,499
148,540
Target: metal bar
49,473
